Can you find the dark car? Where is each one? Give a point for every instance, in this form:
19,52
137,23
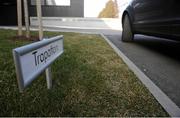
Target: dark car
152,17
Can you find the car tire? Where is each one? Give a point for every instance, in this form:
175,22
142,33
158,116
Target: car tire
127,33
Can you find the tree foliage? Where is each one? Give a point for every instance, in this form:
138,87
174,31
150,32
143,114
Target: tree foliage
110,11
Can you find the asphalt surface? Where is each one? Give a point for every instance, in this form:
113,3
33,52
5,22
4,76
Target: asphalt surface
158,58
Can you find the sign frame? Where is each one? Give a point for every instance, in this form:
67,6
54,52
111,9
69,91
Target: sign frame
18,52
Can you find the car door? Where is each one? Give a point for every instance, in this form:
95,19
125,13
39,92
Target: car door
151,16
140,10
175,18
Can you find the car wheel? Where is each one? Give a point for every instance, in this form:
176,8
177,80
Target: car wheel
127,34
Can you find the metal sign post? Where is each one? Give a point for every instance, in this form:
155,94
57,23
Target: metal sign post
49,78
39,15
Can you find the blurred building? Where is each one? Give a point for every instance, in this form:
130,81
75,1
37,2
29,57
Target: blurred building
50,8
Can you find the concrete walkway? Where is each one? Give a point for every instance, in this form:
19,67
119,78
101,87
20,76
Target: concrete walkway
60,29
79,23
107,26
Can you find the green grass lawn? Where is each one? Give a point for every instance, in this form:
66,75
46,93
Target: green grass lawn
89,79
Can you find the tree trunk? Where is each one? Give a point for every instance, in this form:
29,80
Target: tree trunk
26,15
39,16
19,17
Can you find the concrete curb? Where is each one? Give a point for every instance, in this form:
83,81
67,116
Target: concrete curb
172,109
